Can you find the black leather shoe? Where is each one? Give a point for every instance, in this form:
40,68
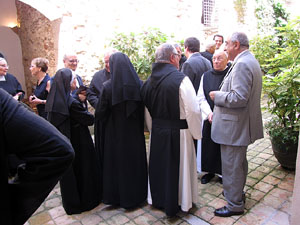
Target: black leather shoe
225,212
207,177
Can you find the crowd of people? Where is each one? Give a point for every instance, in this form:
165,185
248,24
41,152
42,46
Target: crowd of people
202,111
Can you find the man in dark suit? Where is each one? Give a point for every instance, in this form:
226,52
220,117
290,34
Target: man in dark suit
196,64
99,78
237,120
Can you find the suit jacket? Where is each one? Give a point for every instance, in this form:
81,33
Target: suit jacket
194,68
96,86
237,116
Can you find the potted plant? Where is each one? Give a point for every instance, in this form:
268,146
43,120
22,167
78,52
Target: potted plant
281,85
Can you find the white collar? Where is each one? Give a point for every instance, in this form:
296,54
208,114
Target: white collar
2,78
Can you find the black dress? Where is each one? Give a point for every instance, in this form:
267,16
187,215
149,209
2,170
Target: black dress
46,154
41,93
123,151
210,151
80,186
93,94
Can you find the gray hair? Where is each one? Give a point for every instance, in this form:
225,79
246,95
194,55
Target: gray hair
3,60
210,45
68,54
164,52
176,45
221,51
241,38
110,51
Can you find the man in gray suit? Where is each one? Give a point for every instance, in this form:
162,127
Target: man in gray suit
196,64
237,120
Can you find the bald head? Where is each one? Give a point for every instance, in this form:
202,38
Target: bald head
220,60
210,47
107,54
70,61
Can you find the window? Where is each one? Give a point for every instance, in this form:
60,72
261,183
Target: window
207,11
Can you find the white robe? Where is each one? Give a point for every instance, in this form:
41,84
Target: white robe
205,111
190,111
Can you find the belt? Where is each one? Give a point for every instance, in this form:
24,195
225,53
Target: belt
180,124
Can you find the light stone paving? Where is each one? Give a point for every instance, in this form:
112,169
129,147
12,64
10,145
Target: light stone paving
269,190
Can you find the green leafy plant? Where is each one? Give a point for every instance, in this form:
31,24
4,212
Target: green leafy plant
140,48
270,14
281,82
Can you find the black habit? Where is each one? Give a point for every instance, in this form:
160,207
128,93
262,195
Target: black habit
210,151
161,96
123,152
46,154
93,94
12,85
80,186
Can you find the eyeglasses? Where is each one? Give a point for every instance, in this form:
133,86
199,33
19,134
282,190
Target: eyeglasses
74,61
4,66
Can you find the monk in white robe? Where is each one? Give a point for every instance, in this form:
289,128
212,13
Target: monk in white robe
176,119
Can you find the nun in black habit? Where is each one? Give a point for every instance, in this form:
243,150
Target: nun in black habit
80,186
123,151
9,82
46,154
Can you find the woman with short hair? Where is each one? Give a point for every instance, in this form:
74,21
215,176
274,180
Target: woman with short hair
38,68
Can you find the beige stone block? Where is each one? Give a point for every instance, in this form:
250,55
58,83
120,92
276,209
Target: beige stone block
91,219
222,220
57,212
205,213
264,187
145,219
54,202
40,218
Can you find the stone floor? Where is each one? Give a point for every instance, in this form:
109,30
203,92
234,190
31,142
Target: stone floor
269,192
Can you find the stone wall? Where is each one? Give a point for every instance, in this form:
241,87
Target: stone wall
39,38
87,26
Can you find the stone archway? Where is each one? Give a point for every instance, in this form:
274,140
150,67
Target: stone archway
39,38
